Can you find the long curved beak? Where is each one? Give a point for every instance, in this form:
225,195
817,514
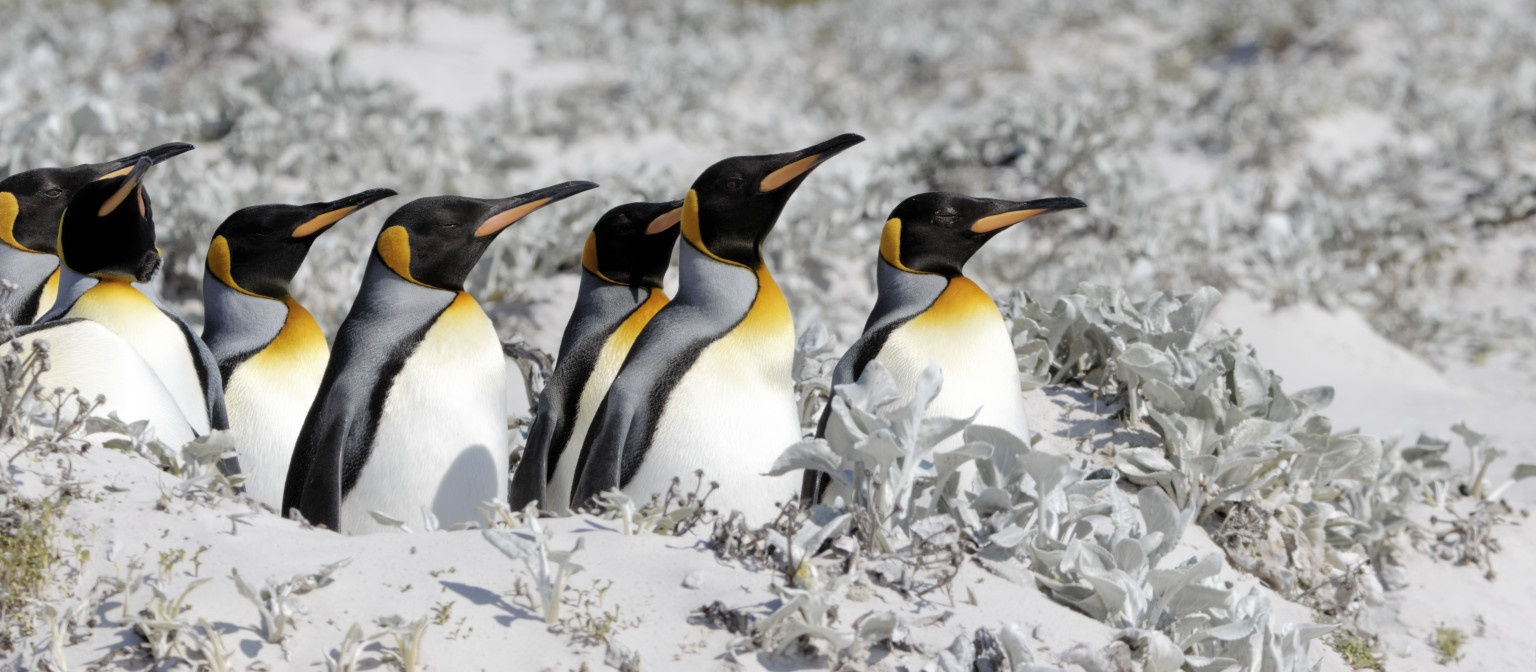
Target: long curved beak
130,186
804,161
1010,213
336,210
510,210
666,220
120,167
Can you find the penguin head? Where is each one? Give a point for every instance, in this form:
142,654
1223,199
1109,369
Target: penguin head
259,248
108,229
31,202
938,232
435,241
632,243
734,204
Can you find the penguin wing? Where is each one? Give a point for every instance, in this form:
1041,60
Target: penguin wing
621,431
333,429
531,479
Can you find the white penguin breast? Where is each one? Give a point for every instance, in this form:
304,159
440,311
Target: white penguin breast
732,414
90,358
267,405
441,441
120,307
976,356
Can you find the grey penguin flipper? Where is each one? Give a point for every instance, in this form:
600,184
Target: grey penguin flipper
601,311
531,479
902,296
387,320
625,422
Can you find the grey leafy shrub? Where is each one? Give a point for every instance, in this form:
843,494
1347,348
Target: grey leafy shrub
550,570
1319,516
277,601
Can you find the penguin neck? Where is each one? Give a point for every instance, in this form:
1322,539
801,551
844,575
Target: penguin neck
384,293
30,271
72,286
898,288
600,307
237,323
706,281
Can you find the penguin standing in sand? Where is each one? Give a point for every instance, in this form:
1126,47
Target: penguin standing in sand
622,265
270,351
411,413
106,244
708,384
927,311
30,205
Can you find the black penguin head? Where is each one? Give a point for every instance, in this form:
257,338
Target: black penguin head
734,204
108,229
632,243
435,241
258,249
938,232
32,202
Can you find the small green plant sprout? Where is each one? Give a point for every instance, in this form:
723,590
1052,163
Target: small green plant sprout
277,603
408,640
551,570
1356,652
591,621
442,612
1448,642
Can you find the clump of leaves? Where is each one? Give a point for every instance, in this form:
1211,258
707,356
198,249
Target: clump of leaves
673,512
551,570
1356,651
277,601
1448,642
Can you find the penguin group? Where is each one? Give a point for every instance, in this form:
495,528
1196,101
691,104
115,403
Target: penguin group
403,411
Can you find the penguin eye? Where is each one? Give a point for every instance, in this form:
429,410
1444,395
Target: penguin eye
732,184
53,193
945,215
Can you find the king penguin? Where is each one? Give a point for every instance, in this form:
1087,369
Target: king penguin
708,384
106,244
30,205
271,352
927,311
622,266
412,412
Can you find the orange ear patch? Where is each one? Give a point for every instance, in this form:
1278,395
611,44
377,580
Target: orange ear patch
504,219
9,211
395,250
